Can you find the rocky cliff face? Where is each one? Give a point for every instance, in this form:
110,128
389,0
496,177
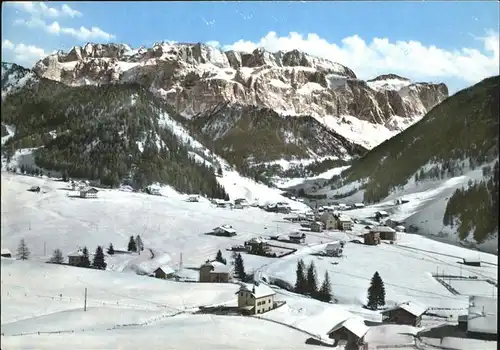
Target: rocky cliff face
194,78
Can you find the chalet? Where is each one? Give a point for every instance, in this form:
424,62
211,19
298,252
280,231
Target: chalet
329,221
5,253
238,206
214,272
255,242
482,318
385,232
471,261
358,205
256,299
88,192
371,238
193,199
164,272
381,214
345,223
224,230
279,208
317,226
297,237
334,249
350,332
76,258
407,313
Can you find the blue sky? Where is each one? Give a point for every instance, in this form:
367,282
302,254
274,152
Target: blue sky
423,40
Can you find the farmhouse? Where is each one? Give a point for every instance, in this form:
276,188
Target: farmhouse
317,226
328,220
88,192
76,258
255,299
5,253
253,243
215,272
345,223
371,238
471,261
350,331
334,249
482,318
385,232
164,272
241,201
408,313
297,237
224,230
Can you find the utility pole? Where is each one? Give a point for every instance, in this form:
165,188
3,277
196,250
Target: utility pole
85,302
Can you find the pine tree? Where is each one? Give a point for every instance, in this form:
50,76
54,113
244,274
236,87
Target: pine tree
301,282
23,253
325,292
132,247
111,249
376,292
139,244
239,268
86,260
99,262
381,292
312,284
220,258
57,257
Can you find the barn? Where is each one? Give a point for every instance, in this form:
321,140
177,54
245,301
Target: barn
407,313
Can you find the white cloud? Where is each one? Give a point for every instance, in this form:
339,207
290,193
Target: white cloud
38,8
23,54
81,33
213,43
69,11
380,56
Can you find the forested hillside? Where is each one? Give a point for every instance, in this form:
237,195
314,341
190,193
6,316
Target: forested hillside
113,133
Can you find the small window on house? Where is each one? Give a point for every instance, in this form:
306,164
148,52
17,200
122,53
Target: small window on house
241,294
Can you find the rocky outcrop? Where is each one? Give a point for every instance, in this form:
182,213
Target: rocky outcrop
196,77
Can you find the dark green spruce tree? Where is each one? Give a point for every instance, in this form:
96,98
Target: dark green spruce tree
132,247
325,292
220,258
99,261
312,283
300,281
85,260
111,249
376,292
239,268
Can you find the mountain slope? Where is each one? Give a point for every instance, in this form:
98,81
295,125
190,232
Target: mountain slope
196,78
458,135
247,136
108,133
15,77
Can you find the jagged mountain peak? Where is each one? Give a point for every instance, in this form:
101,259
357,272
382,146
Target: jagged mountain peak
387,77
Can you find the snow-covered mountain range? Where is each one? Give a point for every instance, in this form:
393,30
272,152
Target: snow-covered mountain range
195,78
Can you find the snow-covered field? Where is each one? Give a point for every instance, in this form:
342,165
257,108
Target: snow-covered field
124,309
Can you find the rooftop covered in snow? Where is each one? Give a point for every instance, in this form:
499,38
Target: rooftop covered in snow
258,290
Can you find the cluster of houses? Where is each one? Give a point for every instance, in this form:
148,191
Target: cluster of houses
239,203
